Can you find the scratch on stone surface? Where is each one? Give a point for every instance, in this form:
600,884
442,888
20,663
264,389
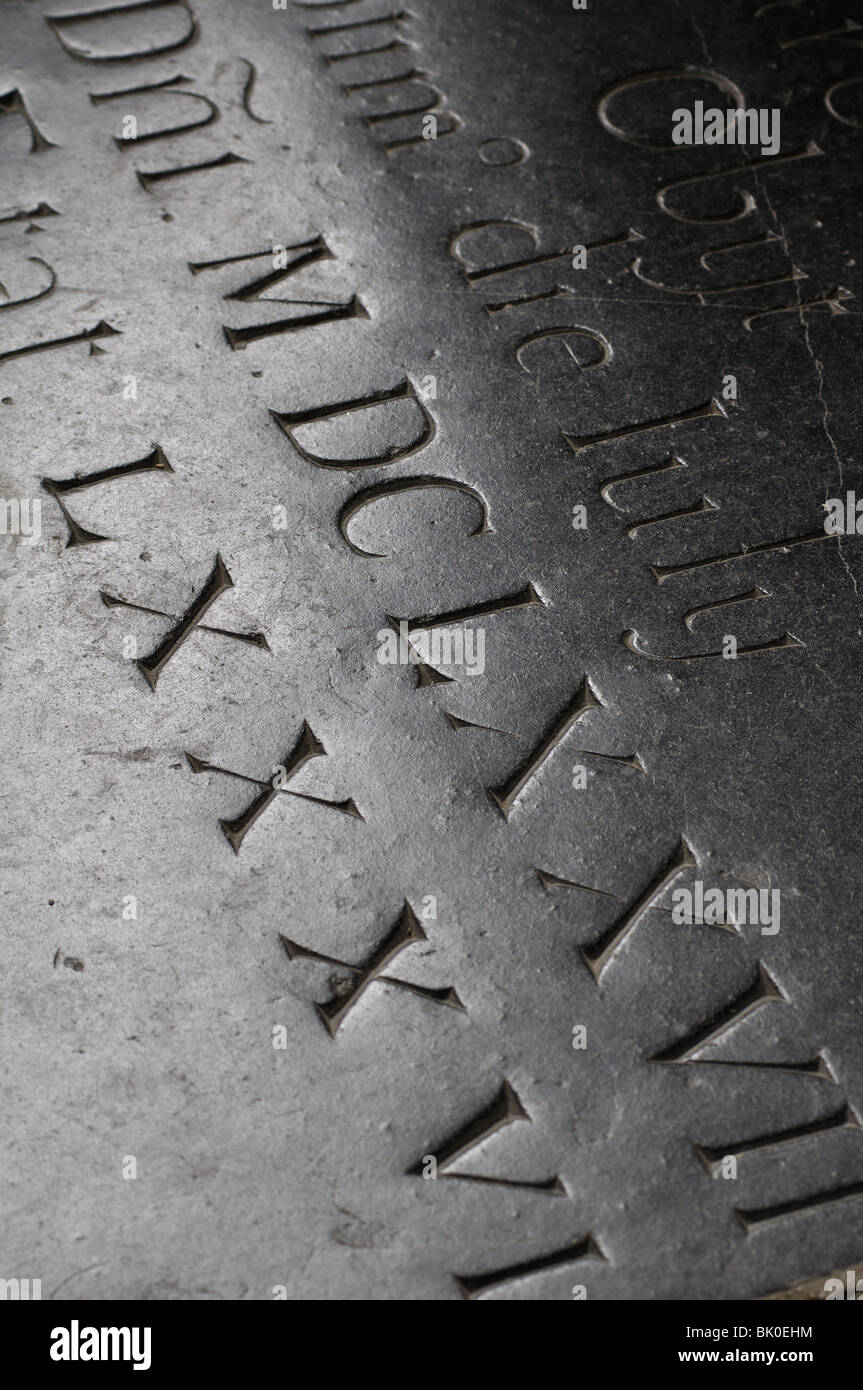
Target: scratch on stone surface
73,1275
701,39
678,303
828,678
825,419
819,372
135,755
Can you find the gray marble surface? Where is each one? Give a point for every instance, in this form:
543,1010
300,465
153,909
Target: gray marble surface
264,1170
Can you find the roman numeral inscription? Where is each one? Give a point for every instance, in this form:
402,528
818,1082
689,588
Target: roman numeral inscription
507,793
548,881
363,499
25,214
308,746
87,335
763,990
504,1110
59,488
307,253
600,952
475,1285
406,932
817,1066
528,597
152,666
254,639
304,253
755,1218
459,725
290,422
713,1158
352,308
630,760
13,104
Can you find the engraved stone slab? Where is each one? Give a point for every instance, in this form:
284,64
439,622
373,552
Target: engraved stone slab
430,584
